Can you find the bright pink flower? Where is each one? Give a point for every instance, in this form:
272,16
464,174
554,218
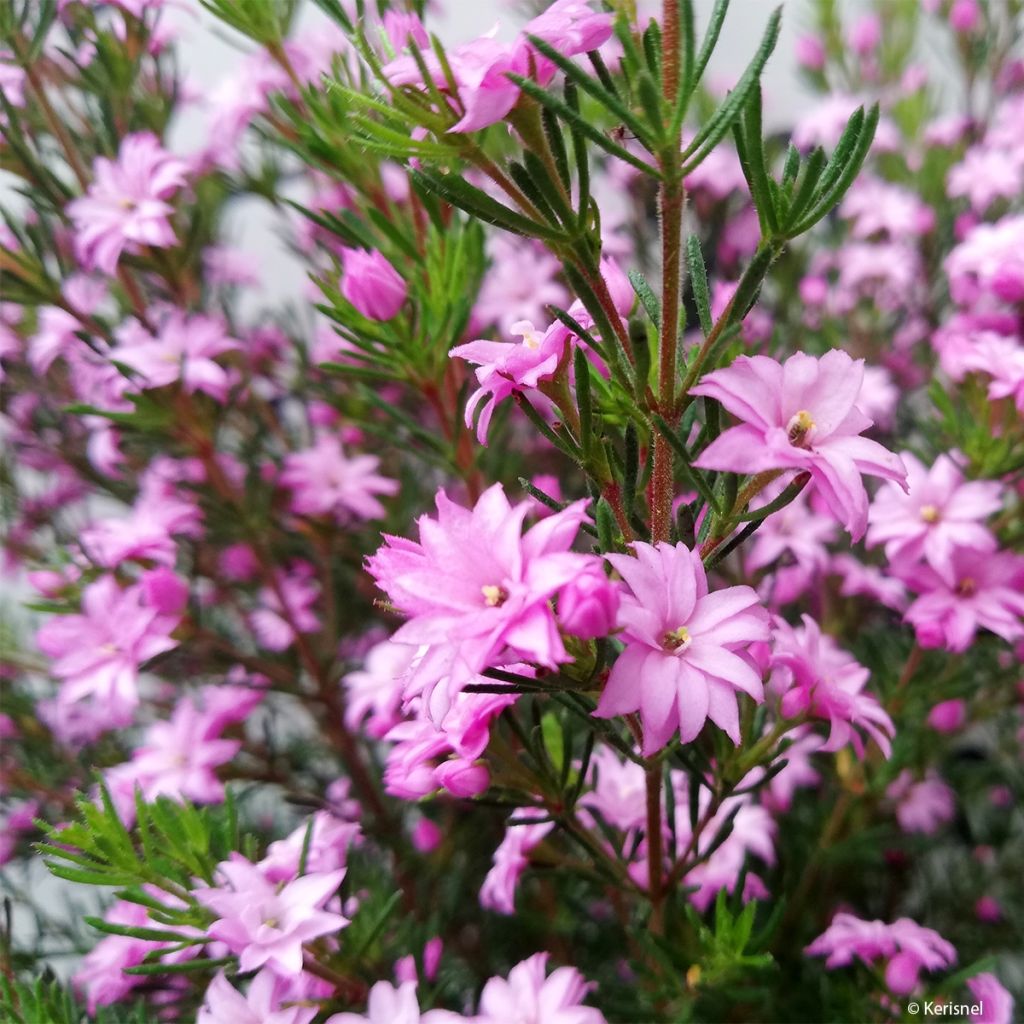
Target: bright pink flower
996,1002
477,590
681,666
184,349
905,944
98,653
126,204
948,716
588,604
371,284
264,1003
923,806
511,859
164,590
267,924
800,415
869,581
813,676
528,996
101,974
975,590
989,260
326,482
939,511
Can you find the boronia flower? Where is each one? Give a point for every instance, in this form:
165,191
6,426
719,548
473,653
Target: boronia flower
905,945
478,591
266,924
126,205
939,511
681,664
813,676
800,415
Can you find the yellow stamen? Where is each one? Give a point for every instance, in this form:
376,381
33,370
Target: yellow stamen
929,513
677,638
799,427
494,596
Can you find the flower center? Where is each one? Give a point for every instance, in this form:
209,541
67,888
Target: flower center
677,639
494,597
929,513
799,427
966,587
526,330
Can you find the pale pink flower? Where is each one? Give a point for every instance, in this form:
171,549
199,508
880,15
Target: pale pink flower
975,590
324,481
813,676
184,349
939,511
984,175
906,946
386,1005
99,652
330,839
802,416
374,692
618,793
996,1002
511,859
990,260
287,608
266,1002
126,205
878,207
923,806
477,590
267,924
519,285
528,997
681,666
101,974
177,759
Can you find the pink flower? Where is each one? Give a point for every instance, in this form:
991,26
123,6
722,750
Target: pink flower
528,996
511,859
183,349
324,481
588,604
286,608
906,945
264,1003
948,716
506,368
996,1002
98,653
371,284
386,1005
923,806
800,415
865,34
267,924
520,284
477,591
810,52
815,677
975,590
374,692
126,203
164,590
680,665
481,67
330,839
177,758
939,511
101,974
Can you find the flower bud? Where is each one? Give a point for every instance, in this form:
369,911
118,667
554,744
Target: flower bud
588,604
463,778
164,590
948,716
371,284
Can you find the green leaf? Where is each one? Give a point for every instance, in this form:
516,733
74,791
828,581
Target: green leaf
699,283
583,126
456,190
646,295
722,120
